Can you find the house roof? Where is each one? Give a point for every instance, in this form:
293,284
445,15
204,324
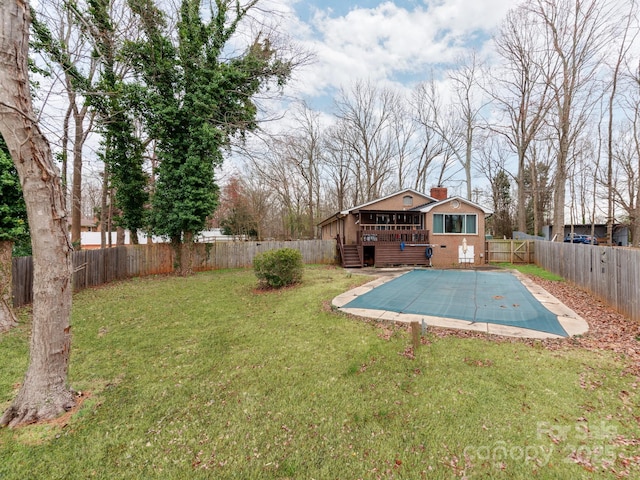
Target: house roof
85,221
346,212
373,202
430,206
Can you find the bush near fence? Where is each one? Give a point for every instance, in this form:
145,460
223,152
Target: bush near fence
96,267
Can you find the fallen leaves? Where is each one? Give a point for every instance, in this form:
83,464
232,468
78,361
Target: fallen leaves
608,329
408,353
478,363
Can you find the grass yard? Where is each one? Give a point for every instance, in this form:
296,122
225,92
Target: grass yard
205,377
531,269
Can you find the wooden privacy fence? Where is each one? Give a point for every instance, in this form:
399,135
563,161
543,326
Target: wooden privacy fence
96,267
611,274
212,256
511,251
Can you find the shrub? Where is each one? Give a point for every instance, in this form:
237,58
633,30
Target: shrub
278,268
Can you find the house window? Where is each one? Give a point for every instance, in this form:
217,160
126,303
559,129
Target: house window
455,223
407,200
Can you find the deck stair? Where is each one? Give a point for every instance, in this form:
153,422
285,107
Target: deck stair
351,256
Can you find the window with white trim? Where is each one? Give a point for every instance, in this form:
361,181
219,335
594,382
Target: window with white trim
459,223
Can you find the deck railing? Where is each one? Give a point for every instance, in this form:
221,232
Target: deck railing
375,237
340,245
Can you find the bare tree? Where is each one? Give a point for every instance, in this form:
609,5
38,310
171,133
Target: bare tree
403,132
365,119
467,109
626,39
492,164
302,150
426,105
339,184
576,34
457,124
259,201
520,93
583,169
626,153
289,192
62,43
91,194
44,393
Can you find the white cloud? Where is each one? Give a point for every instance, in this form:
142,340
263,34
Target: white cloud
463,16
390,40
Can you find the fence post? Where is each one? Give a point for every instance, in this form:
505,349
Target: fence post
415,335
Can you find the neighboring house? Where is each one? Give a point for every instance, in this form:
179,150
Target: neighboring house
620,233
93,240
87,224
410,228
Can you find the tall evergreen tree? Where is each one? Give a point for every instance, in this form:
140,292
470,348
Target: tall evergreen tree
14,226
501,221
196,101
14,229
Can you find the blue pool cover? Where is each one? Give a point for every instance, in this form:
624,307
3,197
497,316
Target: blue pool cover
475,296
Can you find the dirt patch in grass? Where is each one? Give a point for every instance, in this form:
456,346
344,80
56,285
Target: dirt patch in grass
64,419
38,433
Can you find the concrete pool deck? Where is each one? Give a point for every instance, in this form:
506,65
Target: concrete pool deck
572,323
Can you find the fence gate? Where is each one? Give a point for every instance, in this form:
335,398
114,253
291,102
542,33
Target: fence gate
511,251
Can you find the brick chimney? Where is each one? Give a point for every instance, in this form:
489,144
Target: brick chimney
439,193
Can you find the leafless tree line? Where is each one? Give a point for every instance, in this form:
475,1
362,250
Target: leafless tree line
557,113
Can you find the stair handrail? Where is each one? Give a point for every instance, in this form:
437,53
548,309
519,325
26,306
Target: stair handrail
340,249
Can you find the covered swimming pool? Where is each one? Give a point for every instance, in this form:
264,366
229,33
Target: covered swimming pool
470,299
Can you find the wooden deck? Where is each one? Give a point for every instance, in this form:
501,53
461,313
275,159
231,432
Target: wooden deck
396,237
386,248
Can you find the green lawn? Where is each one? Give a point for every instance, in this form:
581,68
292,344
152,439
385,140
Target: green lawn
205,377
531,269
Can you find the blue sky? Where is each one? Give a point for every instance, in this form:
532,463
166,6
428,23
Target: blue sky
397,42
305,8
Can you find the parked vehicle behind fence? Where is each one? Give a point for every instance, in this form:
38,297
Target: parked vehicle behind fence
576,238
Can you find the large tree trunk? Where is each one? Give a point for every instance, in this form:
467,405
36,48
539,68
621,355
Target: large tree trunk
44,393
559,195
559,188
7,317
120,236
522,197
76,188
186,256
635,226
535,200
